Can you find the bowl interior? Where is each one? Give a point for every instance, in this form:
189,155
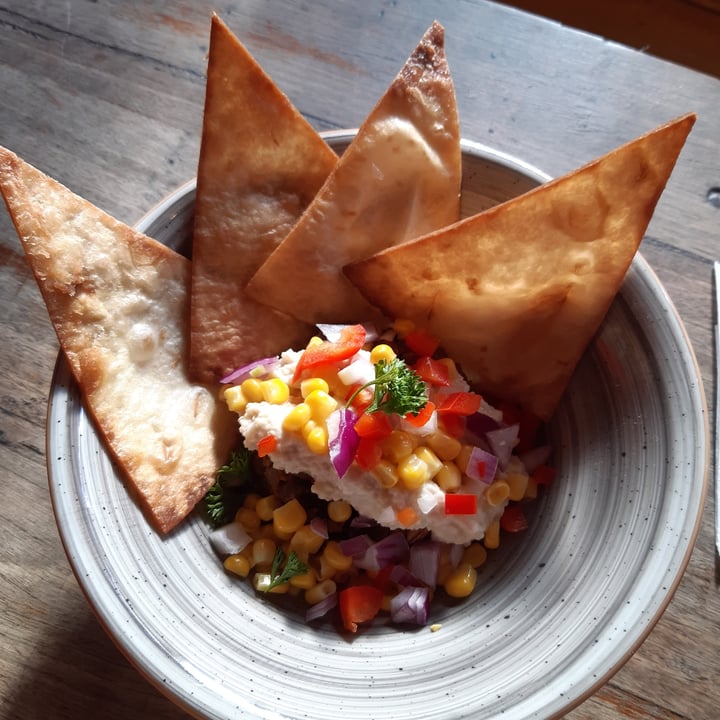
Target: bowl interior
557,609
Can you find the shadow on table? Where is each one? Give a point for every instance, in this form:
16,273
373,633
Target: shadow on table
83,675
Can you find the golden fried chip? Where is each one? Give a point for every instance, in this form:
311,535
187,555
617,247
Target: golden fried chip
118,301
260,165
398,179
516,293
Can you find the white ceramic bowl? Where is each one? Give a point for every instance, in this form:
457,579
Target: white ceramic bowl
557,609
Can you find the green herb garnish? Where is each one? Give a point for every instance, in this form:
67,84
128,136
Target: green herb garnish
294,566
398,389
222,499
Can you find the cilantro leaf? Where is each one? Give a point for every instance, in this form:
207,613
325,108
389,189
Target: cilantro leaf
398,389
294,566
220,500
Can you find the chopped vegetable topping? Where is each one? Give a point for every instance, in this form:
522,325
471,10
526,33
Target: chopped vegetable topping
293,566
352,338
397,389
231,476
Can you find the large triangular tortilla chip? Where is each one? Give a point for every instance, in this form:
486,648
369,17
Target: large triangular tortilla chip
398,179
516,293
260,165
118,301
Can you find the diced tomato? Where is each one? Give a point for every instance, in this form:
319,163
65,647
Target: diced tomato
406,516
543,474
358,604
453,425
352,338
460,403
368,453
432,371
460,504
423,416
513,519
421,342
267,445
373,425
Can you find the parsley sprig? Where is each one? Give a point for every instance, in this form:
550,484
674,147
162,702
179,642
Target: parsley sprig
294,566
220,499
398,389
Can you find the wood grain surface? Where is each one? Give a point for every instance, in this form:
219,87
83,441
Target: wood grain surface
107,98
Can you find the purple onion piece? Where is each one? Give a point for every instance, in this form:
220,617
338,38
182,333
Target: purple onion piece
320,527
482,466
532,459
502,442
321,608
355,546
242,373
344,444
229,539
411,606
391,550
424,562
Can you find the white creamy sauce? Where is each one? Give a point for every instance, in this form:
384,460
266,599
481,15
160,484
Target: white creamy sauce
358,487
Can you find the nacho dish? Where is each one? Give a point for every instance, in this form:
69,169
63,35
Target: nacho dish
349,383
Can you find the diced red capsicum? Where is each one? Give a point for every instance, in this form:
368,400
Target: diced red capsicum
358,604
433,372
352,339
267,445
460,403
373,425
460,504
368,453
420,341
422,416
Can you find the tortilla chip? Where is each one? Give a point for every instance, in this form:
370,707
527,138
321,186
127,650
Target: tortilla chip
398,179
260,165
516,293
118,301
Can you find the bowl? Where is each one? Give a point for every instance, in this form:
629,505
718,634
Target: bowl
557,610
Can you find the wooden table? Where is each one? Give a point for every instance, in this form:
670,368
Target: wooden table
108,97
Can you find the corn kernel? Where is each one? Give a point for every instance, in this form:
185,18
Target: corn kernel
237,564
497,493
386,474
321,404
265,506
492,535
248,518
430,459
306,541
398,445
314,341
475,554
235,399
449,477
413,472
251,500
263,552
463,457
517,483
461,581
336,557
289,518
324,569
252,390
316,438
382,352
295,420
339,510
531,491
314,383
403,327
443,445
262,582
320,591
274,391
304,581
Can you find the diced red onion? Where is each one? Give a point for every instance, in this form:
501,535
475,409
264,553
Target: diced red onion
359,372
532,459
321,608
424,562
355,546
229,539
429,497
343,441
392,549
481,466
319,526
411,606
242,373
428,428
478,424
403,577
362,521
502,442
